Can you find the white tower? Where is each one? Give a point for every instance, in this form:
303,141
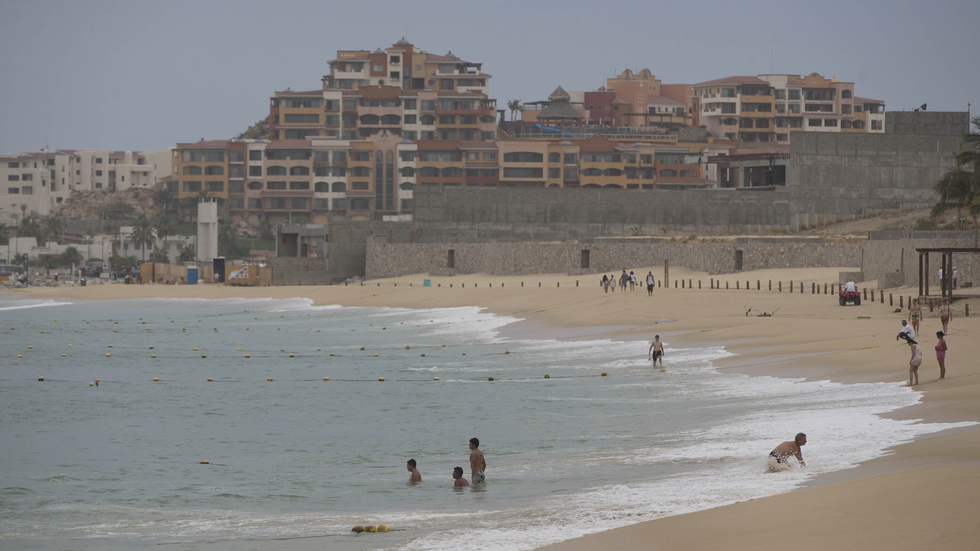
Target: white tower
207,230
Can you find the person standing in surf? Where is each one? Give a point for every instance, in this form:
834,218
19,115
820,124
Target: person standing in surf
477,462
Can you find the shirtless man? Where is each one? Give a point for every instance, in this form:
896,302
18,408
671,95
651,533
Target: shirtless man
416,477
477,463
458,480
780,454
656,351
915,314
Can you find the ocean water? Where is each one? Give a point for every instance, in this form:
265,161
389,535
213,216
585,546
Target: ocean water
295,463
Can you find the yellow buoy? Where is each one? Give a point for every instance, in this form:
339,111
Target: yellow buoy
205,462
371,528
381,379
408,347
435,378
210,380
603,373
40,378
326,378
204,355
282,349
64,355
151,348
506,351
319,350
29,347
663,371
108,355
357,529
375,355
91,384
156,379
69,346
421,355
331,353
195,349
490,379
269,379
382,528
547,376
239,349
291,355
362,348
110,346
248,355
153,355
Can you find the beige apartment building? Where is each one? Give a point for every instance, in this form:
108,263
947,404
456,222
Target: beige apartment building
762,111
43,179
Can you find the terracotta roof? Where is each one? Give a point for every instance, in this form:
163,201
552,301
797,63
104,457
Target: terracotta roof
316,93
380,92
477,145
868,100
437,145
210,144
734,80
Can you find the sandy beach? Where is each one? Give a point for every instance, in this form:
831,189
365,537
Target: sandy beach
921,495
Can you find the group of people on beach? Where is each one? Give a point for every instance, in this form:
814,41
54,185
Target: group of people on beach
625,280
909,331
478,465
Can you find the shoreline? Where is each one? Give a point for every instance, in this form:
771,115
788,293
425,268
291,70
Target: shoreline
809,336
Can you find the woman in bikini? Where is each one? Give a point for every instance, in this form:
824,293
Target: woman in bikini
944,314
915,313
914,362
941,354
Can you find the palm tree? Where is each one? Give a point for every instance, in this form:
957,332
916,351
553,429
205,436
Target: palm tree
161,255
22,260
959,187
55,227
142,236
164,197
187,254
48,262
70,256
514,106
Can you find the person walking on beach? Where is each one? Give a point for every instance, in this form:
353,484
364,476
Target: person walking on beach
906,333
945,312
604,283
650,284
779,456
914,362
632,281
612,282
477,463
941,353
915,313
458,480
416,477
623,280
656,351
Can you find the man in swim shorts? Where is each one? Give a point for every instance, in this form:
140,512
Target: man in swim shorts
779,456
477,463
656,351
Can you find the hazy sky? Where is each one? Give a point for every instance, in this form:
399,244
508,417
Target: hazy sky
137,74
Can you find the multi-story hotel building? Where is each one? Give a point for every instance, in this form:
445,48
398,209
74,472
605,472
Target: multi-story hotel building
763,110
43,179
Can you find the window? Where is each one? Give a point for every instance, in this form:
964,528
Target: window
428,105
299,171
554,157
876,125
780,108
236,172
845,109
300,186
406,156
236,204
350,105
236,187
13,164
411,119
339,204
299,203
298,134
845,94
236,156
815,122
217,187
98,173
255,171
794,94
321,204
312,118
192,187
472,156
830,122
255,204
331,105
845,124
275,186
276,171
554,173
203,156
98,160
411,104
406,204
782,137
360,186
255,185
13,190
214,170
428,120
780,94
490,156
523,157
275,203
447,119
13,177
516,172
437,156
255,155
338,187
668,172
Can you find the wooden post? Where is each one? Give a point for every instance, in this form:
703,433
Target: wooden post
758,285
726,285
666,273
901,301
891,300
780,286
770,285
968,309
737,284
791,286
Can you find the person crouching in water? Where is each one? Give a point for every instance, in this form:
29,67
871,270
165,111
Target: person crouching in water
779,456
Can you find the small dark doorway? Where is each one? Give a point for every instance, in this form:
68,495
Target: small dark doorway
738,260
451,258
585,258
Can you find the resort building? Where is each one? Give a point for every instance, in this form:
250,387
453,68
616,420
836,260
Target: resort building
762,111
43,179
